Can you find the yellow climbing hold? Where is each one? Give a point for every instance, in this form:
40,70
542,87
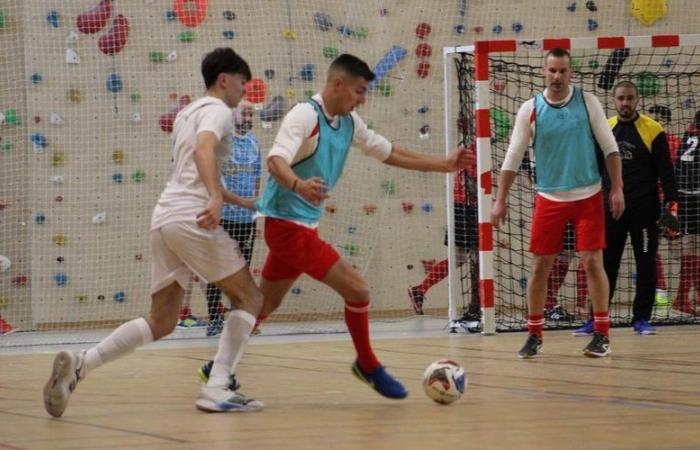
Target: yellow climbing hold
648,11
59,239
288,33
118,156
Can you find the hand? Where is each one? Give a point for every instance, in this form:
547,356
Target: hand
313,190
617,203
461,158
669,221
499,210
209,217
248,203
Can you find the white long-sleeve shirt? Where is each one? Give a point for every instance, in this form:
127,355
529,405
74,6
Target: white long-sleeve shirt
524,134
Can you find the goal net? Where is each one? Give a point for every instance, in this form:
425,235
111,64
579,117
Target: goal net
666,70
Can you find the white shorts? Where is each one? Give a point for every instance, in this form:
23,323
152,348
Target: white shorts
182,248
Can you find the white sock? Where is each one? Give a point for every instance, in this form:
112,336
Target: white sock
120,342
232,344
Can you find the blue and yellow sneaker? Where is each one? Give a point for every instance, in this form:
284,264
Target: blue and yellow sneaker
190,322
381,381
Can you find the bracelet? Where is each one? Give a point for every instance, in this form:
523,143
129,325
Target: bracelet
294,185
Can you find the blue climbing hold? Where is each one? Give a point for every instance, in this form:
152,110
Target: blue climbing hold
170,15
119,297
307,72
592,24
497,29
386,63
61,279
517,27
54,19
427,207
39,140
114,83
117,178
40,218
36,78
228,34
459,28
296,290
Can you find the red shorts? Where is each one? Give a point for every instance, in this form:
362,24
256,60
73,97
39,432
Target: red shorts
294,249
548,226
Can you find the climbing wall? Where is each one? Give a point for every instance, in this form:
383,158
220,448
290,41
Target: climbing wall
89,90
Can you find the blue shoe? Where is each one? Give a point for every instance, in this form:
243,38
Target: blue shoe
643,327
215,327
190,322
585,330
381,381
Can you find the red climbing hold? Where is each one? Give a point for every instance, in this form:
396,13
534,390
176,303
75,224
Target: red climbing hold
93,20
114,41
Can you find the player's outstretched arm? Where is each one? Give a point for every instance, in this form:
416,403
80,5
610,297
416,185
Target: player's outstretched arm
408,159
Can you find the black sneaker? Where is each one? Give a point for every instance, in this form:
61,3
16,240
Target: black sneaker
531,347
598,347
417,298
558,314
471,321
204,371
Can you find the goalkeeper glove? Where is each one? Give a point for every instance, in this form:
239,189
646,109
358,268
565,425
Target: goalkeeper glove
669,221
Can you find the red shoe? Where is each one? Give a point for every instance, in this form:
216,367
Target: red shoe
6,328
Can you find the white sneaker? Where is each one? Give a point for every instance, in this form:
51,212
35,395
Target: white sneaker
225,400
68,369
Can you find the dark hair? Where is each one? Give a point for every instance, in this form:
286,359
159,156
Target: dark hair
664,112
353,66
557,52
223,60
625,83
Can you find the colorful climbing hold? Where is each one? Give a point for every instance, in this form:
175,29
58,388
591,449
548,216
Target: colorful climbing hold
59,239
170,15
591,6
255,90
307,72
423,50
369,209
459,28
94,19
190,13
61,279
384,89
117,178
592,25
423,69
3,20
269,74
229,15
114,40
407,207
186,36
114,83
119,297
54,18
330,52
228,34
497,29
501,123
323,21
156,56
427,207
36,78
296,290
138,176
118,156
648,11
423,30
571,7
388,187
40,218
74,95
517,27
11,117
289,34
361,32
647,84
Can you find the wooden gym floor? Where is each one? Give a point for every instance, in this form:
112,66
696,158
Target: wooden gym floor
645,396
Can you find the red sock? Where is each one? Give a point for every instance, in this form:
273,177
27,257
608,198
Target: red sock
534,324
581,286
686,280
357,320
185,311
601,322
437,273
555,280
660,277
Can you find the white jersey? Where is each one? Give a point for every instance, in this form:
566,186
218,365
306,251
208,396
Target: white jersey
185,195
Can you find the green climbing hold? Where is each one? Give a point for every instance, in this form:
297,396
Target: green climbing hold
135,97
157,57
2,20
309,93
501,124
388,187
593,64
361,32
138,176
576,64
11,117
648,84
384,89
330,52
351,249
186,36
6,147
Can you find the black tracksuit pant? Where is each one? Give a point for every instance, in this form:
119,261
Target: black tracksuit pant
639,221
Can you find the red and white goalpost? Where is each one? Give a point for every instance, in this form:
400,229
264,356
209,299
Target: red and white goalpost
664,55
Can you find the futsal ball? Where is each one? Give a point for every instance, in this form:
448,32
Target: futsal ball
444,381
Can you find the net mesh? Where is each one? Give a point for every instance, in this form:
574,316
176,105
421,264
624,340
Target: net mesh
668,80
88,89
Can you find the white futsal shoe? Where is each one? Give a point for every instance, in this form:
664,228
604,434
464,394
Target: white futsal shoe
222,399
68,370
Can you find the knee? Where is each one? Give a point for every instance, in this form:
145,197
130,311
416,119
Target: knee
358,293
540,269
592,264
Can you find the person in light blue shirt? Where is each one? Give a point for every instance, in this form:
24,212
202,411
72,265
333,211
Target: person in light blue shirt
241,175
